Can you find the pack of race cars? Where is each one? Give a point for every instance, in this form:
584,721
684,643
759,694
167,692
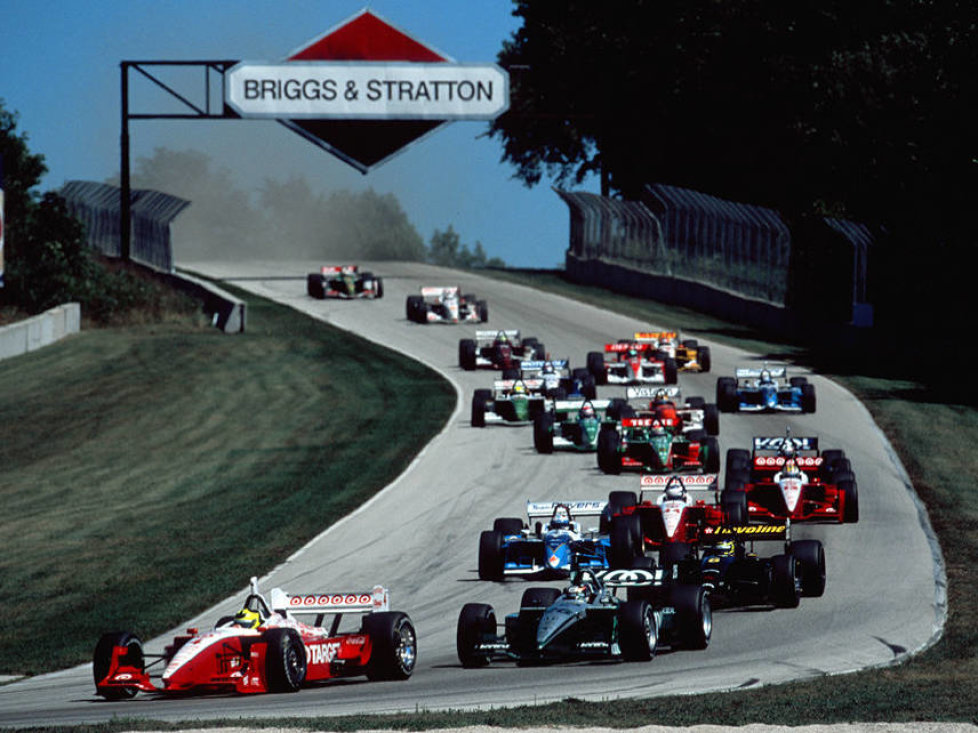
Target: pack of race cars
691,529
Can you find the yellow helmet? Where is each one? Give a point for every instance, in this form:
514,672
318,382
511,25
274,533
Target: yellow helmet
248,619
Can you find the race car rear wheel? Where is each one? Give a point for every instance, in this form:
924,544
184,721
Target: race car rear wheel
314,285
704,359
734,505
711,419
670,370
479,400
483,310
285,660
102,662
638,632
808,398
466,354
738,459
609,461
476,621
543,433
810,556
727,394
491,556
595,365
508,525
539,597
627,541
785,586
711,461
394,645
850,498
694,615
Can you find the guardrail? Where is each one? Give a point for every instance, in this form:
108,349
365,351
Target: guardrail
40,330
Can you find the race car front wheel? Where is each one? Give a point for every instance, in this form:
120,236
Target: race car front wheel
475,622
638,633
102,662
285,660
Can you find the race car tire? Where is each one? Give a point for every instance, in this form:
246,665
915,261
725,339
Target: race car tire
466,354
508,525
102,662
479,400
704,358
314,285
711,461
696,403
734,504
539,351
673,553
414,306
543,433
618,500
595,365
727,394
738,459
538,597
690,343
808,398
694,615
638,632
785,590
696,436
810,556
670,370
736,481
285,660
626,540
608,459
589,387
395,645
482,308
491,556
379,287
711,419
475,621
614,408
850,498
798,381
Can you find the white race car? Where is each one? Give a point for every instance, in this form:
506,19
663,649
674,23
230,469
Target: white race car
446,305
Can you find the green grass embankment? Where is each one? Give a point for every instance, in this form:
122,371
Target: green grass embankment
146,472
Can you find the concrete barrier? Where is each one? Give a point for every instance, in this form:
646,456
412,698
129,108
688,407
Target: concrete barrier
227,312
40,330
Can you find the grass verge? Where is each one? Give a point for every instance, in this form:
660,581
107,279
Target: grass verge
149,470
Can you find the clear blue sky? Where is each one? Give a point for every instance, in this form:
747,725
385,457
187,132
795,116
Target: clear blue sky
59,70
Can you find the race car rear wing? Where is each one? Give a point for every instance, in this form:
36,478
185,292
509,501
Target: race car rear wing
752,532
376,599
777,443
655,484
584,508
436,293
755,373
656,335
489,336
340,269
506,385
647,393
537,366
647,422
574,405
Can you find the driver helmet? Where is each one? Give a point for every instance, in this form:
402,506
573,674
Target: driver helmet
247,618
790,469
548,368
560,518
502,338
660,396
519,388
724,548
675,490
587,411
765,376
632,352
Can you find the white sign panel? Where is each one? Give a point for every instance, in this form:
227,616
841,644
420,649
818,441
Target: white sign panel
368,90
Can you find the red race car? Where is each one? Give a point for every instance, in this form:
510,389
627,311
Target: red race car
785,477
634,362
665,517
265,648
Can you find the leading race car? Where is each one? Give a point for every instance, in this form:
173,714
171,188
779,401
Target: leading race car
446,305
344,281
543,549
265,648
689,355
769,389
589,621
505,350
788,477
635,362
569,425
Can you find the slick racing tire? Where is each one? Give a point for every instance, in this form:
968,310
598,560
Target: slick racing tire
694,615
727,394
395,645
785,586
711,461
476,621
491,557
609,461
808,398
102,662
670,370
466,354
415,308
810,556
711,419
595,365
285,660
538,598
734,504
626,540
850,497
482,308
617,500
738,459
314,285
543,433
638,632
479,400
508,525
704,358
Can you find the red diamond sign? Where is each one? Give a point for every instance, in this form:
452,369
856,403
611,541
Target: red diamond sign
365,90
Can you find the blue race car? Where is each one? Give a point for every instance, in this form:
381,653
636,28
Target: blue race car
545,549
765,390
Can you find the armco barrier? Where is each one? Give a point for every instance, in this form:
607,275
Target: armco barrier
41,330
226,311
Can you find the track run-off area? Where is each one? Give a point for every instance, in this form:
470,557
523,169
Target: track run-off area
884,596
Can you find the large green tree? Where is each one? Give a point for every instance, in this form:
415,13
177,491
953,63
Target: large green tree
864,109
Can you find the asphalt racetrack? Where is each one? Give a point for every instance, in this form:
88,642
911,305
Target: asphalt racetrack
884,596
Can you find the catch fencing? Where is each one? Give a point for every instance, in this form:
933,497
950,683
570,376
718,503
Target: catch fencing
701,251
